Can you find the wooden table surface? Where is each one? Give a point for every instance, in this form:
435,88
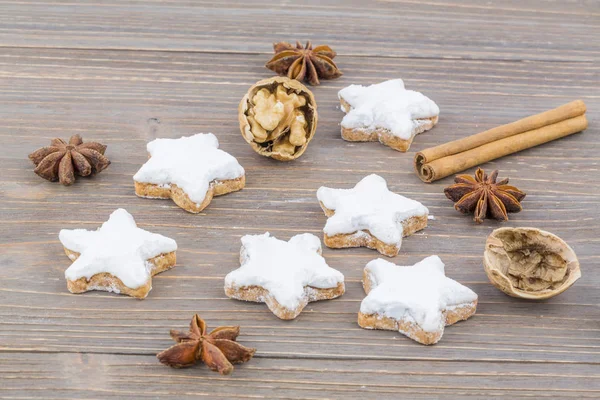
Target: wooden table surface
124,73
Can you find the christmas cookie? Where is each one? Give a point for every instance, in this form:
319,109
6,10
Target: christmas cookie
119,257
284,275
417,301
190,170
370,215
386,112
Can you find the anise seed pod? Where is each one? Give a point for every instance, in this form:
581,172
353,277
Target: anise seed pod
218,349
61,161
304,63
484,197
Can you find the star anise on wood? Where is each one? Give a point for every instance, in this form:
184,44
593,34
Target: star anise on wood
484,197
218,350
304,62
61,161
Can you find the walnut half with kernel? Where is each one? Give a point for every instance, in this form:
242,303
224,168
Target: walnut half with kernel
529,263
278,118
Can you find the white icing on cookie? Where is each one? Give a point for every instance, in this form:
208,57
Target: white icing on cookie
118,247
386,105
283,268
369,206
190,162
419,293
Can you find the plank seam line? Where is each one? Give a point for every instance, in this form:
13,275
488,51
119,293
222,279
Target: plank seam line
231,52
310,357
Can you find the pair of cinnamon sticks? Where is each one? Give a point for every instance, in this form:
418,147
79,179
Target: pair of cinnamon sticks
449,158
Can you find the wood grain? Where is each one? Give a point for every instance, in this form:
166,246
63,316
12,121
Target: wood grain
512,30
126,73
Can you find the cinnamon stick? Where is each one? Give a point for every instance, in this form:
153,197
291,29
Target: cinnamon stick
447,159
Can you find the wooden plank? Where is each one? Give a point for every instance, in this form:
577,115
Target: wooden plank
117,376
557,31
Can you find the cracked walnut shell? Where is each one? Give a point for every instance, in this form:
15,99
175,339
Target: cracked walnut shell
529,263
278,118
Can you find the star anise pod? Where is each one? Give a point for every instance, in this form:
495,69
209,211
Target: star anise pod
61,161
218,350
485,197
304,62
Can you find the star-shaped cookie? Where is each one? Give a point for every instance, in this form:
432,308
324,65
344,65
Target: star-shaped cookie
386,112
418,301
370,215
284,275
190,170
118,257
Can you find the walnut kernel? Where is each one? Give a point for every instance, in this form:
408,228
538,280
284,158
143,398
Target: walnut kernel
298,129
530,263
268,110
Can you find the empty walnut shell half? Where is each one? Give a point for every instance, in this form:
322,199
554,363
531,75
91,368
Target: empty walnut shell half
278,118
529,263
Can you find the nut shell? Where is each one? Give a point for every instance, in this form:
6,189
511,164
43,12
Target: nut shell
266,148
524,248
